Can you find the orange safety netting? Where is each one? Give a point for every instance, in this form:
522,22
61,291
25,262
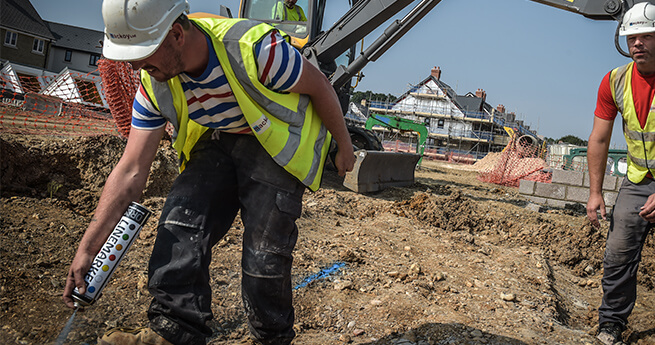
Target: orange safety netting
121,84
520,160
68,103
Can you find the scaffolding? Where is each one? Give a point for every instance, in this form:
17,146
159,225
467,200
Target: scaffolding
453,133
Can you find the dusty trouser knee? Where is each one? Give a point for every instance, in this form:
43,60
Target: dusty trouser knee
269,239
267,296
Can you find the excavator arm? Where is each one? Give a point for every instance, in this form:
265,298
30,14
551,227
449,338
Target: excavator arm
597,10
358,22
366,15
593,9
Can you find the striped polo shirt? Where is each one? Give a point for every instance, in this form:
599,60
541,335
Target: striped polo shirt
209,97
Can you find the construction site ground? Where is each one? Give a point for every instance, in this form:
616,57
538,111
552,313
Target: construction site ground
448,260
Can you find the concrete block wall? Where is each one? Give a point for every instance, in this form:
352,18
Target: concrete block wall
568,187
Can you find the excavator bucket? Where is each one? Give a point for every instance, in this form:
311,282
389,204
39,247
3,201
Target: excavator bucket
377,170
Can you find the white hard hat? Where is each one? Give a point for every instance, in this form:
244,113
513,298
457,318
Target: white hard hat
134,29
640,19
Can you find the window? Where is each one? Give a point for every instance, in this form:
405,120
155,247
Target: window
93,60
11,38
38,45
69,55
440,123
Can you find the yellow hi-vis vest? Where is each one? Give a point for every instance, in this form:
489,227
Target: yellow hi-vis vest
285,124
641,142
282,12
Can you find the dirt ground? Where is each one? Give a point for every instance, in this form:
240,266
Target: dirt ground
448,260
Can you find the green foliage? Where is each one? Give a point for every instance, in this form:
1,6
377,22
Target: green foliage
572,139
53,187
358,96
567,139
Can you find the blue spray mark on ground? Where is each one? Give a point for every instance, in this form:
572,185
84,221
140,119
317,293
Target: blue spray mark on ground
324,273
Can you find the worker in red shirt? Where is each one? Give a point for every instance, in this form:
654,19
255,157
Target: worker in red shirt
629,90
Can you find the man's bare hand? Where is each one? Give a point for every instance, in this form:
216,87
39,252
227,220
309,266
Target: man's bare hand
648,210
75,278
345,160
594,204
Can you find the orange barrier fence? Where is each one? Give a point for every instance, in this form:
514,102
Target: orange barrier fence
451,156
68,103
520,160
121,86
71,125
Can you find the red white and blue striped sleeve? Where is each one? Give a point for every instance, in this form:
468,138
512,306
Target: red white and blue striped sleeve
144,113
279,63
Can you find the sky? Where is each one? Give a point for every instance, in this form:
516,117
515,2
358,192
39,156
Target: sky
540,62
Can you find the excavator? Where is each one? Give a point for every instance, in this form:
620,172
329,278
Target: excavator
402,125
332,48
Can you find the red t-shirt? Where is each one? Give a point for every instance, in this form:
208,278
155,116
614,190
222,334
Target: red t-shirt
643,89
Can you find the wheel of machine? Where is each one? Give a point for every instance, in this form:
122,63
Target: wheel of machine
359,142
364,139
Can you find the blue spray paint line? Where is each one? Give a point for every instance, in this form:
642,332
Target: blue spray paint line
324,273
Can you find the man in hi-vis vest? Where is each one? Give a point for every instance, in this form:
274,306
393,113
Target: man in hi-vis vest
629,90
287,10
253,123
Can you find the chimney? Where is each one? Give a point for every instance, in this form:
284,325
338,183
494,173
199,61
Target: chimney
479,93
500,108
436,72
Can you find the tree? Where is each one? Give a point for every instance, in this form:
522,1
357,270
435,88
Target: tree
572,139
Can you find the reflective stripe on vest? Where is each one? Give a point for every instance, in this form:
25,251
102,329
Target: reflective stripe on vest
641,142
285,124
295,119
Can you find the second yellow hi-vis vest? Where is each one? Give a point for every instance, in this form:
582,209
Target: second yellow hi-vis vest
282,12
641,142
285,124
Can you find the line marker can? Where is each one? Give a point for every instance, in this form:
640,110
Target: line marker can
111,253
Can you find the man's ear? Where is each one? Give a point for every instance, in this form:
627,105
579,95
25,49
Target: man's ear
178,34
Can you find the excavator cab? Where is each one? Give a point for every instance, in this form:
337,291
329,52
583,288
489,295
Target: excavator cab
275,12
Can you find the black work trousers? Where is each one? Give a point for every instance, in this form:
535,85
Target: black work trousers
625,241
225,175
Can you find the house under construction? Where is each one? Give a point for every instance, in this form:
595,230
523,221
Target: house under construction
460,127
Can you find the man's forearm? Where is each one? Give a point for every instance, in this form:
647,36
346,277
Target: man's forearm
325,102
330,113
120,189
599,142
124,185
597,163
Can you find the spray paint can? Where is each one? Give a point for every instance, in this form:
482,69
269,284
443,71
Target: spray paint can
111,253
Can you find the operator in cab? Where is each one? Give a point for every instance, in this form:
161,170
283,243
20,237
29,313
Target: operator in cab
628,89
288,11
